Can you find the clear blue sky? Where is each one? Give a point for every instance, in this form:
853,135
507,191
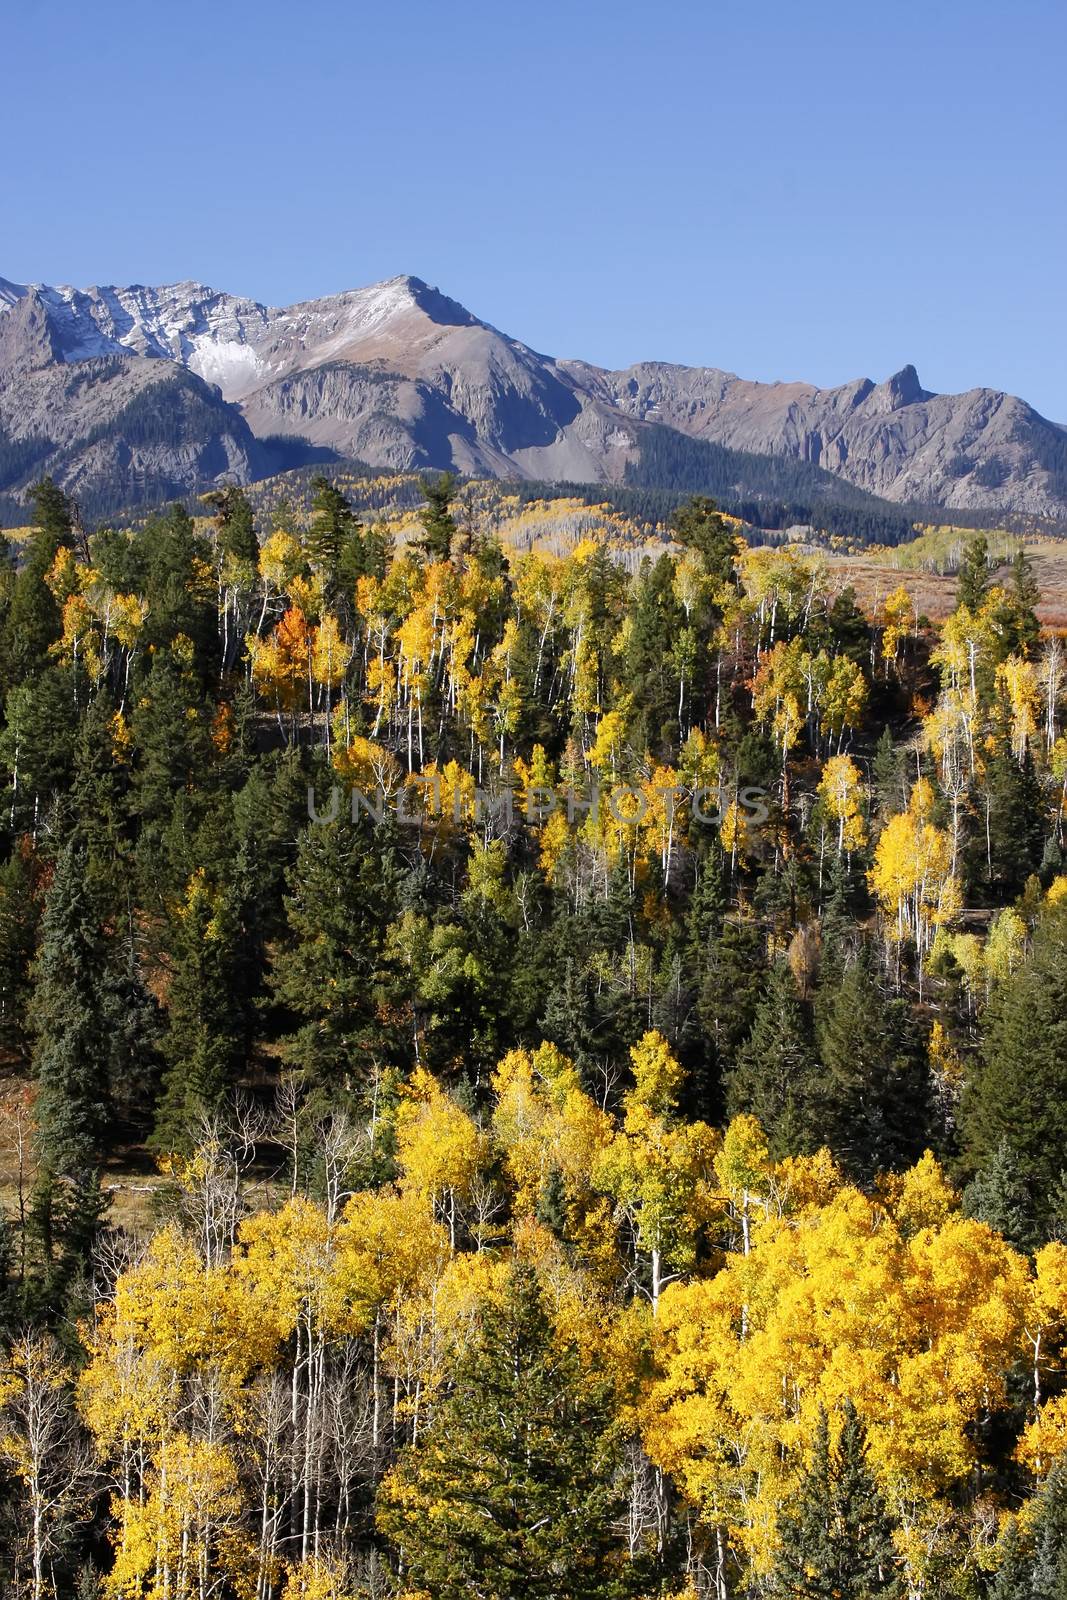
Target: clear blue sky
821,190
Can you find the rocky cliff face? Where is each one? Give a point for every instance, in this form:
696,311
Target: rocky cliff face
114,427
981,451
402,377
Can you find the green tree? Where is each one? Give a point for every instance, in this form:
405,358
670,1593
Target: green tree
438,523
1020,627
835,1537
973,580
1034,1562
20,916
998,1195
775,1078
1018,1091
700,526
235,522
33,621
204,1040
510,1493
873,1085
332,973
1013,840
70,1021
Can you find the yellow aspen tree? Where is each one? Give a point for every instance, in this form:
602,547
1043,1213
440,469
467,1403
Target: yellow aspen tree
841,790
659,1167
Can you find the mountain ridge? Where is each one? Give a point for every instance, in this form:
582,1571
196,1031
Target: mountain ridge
400,376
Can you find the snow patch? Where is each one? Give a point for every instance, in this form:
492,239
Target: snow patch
234,366
10,293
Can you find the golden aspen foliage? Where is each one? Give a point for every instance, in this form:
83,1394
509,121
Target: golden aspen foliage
841,789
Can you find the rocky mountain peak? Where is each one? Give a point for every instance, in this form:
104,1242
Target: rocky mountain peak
902,389
10,293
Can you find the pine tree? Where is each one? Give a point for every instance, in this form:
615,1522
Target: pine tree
835,1537
873,1088
235,522
973,582
333,974
998,1195
700,526
1021,629
510,1492
70,1022
20,916
1016,829
1019,1090
204,1040
1034,1562
775,1078
438,523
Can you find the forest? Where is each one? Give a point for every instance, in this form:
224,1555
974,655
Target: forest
525,1076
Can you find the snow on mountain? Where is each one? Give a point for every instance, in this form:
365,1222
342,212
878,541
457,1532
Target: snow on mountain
227,340
10,293
400,376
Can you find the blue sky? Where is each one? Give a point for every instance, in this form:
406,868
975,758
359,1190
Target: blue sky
817,191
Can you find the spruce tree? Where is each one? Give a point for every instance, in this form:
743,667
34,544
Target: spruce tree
1021,629
1016,829
332,973
438,523
700,526
1018,1091
775,1078
998,1195
235,522
511,1493
1034,1560
873,1088
204,1040
973,581
20,916
70,1022
835,1537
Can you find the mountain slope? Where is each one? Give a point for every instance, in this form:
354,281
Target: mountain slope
403,378
983,450
113,427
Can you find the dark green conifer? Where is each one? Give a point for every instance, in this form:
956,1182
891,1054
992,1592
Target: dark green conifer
511,1491
835,1536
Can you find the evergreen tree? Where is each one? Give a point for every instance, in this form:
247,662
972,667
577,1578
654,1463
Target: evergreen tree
204,1040
730,985
70,1022
650,677
1020,627
973,581
998,1195
235,522
1016,831
835,1537
333,973
338,545
33,620
700,526
438,523
1034,1563
20,916
37,745
1019,1091
889,776
874,1086
775,1078
510,1493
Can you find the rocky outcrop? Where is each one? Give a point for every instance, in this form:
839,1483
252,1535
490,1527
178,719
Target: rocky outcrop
401,377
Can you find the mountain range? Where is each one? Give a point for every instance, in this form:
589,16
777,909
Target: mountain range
132,395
